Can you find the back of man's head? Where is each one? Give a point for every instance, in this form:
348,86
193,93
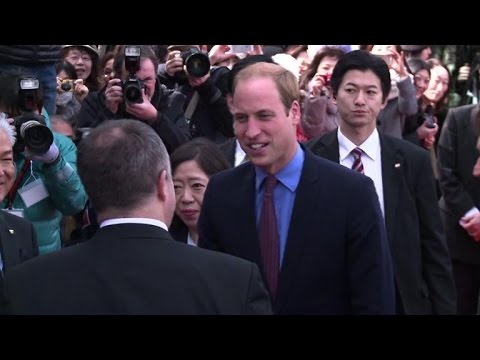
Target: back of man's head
120,163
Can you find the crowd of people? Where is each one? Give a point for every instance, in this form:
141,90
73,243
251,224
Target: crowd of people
191,179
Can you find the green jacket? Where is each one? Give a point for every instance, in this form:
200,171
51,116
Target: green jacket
66,193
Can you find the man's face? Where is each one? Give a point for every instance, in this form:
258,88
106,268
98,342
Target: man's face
262,124
359,99
148,74
7,167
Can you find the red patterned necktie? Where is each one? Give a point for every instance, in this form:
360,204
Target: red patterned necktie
269,240
357,160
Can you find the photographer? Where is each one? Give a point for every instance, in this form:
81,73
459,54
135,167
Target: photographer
157,106
206,107
319,111
48,183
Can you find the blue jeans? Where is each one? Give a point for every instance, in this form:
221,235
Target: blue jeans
46,75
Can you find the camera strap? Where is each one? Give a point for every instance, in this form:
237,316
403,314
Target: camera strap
16,184
191,106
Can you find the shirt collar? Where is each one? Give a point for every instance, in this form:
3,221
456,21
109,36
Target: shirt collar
289,176
369,146
117,221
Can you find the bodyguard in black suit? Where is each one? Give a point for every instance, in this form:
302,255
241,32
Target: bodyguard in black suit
332,249
421,262
458,153
132,265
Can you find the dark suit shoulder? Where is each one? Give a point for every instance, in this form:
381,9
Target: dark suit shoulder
405,146
16,221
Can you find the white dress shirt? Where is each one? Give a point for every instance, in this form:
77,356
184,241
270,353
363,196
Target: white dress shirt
134,221
371,159
239,154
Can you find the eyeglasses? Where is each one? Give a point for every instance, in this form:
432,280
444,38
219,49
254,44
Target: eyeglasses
75,58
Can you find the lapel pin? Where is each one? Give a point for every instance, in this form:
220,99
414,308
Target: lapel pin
397,165
11,231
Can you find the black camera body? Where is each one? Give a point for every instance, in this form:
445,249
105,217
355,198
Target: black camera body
429,117
196,63
32,130
132,87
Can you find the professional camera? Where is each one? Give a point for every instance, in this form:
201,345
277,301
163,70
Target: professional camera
132,87
67,85
32,130
196,62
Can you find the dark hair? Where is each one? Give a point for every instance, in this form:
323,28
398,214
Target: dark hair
361,60
330,51
205,153
119,62
120,162
9,89
64,65
417,64
243,63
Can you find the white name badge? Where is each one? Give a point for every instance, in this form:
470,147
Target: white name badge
16,212
33,192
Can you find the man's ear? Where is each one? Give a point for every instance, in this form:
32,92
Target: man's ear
334,99
162,186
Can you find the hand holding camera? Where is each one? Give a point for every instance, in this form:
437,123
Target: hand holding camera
143,110
47,158
174,63
114,95
81,90
318,84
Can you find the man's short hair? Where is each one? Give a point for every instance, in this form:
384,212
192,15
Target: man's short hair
119,164
285,81
361,60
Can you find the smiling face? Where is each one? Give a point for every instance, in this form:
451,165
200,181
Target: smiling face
263,125
359,100
190,183
81,60
421,81
438,84
7,167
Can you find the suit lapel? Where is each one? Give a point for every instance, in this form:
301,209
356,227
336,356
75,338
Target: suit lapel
299,223
327,147
9,242
392,173
248,234
475,124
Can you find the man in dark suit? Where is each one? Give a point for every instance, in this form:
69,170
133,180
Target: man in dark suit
404,181
458,164
132,265
318,235
18,240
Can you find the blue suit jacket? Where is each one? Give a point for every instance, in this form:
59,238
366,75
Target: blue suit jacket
336,258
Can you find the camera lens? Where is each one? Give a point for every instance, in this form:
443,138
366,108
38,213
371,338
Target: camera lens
36,136
198,64
133,93
66,86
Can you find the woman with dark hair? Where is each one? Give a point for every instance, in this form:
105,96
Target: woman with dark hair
70,92
319,114
193,164
85,60
418,129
